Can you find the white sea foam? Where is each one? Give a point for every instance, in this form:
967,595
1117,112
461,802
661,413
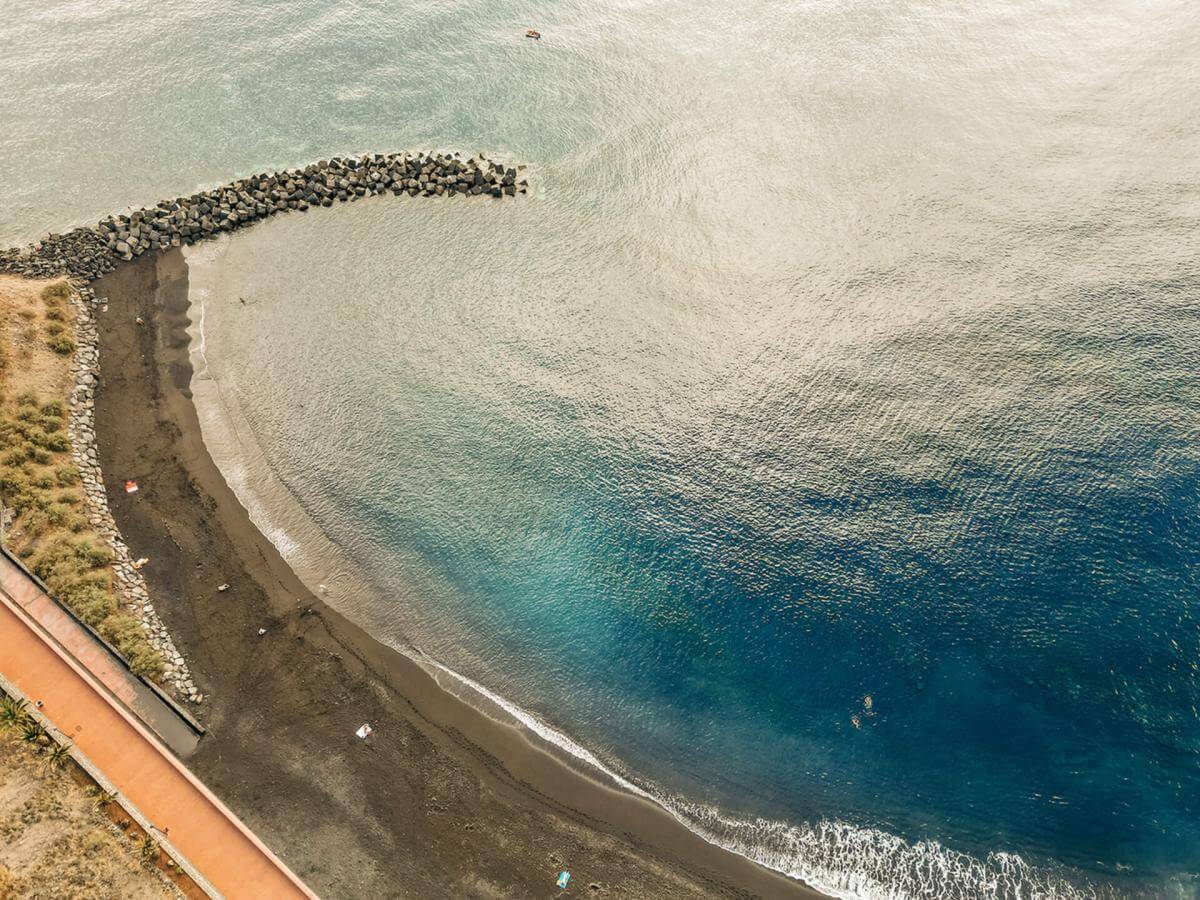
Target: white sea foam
836,858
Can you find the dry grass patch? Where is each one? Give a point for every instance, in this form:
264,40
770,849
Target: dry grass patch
55,838
39,487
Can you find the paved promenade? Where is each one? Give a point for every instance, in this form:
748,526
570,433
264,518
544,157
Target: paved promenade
107,737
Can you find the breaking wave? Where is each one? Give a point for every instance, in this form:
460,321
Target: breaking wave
836,858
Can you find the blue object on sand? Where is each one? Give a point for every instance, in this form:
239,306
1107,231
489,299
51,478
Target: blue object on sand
564,878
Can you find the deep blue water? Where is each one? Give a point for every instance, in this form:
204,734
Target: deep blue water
700,568
843,350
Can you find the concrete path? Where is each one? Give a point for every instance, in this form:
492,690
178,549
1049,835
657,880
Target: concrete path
107,737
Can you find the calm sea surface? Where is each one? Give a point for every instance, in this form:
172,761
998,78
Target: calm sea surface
818,445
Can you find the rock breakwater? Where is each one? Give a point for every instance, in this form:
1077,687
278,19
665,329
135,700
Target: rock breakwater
87,253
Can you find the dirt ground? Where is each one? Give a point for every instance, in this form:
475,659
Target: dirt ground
30,364
55,842
441,801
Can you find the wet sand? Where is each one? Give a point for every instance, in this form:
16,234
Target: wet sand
442,801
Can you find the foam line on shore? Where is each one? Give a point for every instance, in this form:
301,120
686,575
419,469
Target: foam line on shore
845,861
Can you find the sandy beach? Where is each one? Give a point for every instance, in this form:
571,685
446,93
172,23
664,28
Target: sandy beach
441,800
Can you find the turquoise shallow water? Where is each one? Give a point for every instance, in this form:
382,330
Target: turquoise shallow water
843,350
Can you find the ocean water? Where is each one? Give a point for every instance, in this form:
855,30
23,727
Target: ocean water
817,447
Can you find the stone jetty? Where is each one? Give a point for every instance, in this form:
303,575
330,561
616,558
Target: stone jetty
88,253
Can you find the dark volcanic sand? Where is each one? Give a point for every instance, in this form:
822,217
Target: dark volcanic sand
441,801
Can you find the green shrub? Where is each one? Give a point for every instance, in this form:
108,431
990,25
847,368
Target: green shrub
76,523
150,851
12,712
66,475
57,513
59,551
62,345
42,481
54,329
18,490
54,314
52,424
27,398
34,522
13,481
54,408
34,437
25,452
56,293
70,498
127,635
95,554
32,732
92,604
62,560
68,580
57,443
55,759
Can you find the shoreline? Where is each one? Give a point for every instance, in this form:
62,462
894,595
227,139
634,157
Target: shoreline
678,849
475,780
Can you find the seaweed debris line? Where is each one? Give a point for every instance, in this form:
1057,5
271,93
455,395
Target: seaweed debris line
87,253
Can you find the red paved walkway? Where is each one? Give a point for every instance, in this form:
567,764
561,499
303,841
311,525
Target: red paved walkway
178,730
233,861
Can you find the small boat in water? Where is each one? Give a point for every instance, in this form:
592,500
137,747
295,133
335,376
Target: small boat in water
530,33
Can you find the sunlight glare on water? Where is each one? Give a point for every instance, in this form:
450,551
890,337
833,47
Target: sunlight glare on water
842,350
